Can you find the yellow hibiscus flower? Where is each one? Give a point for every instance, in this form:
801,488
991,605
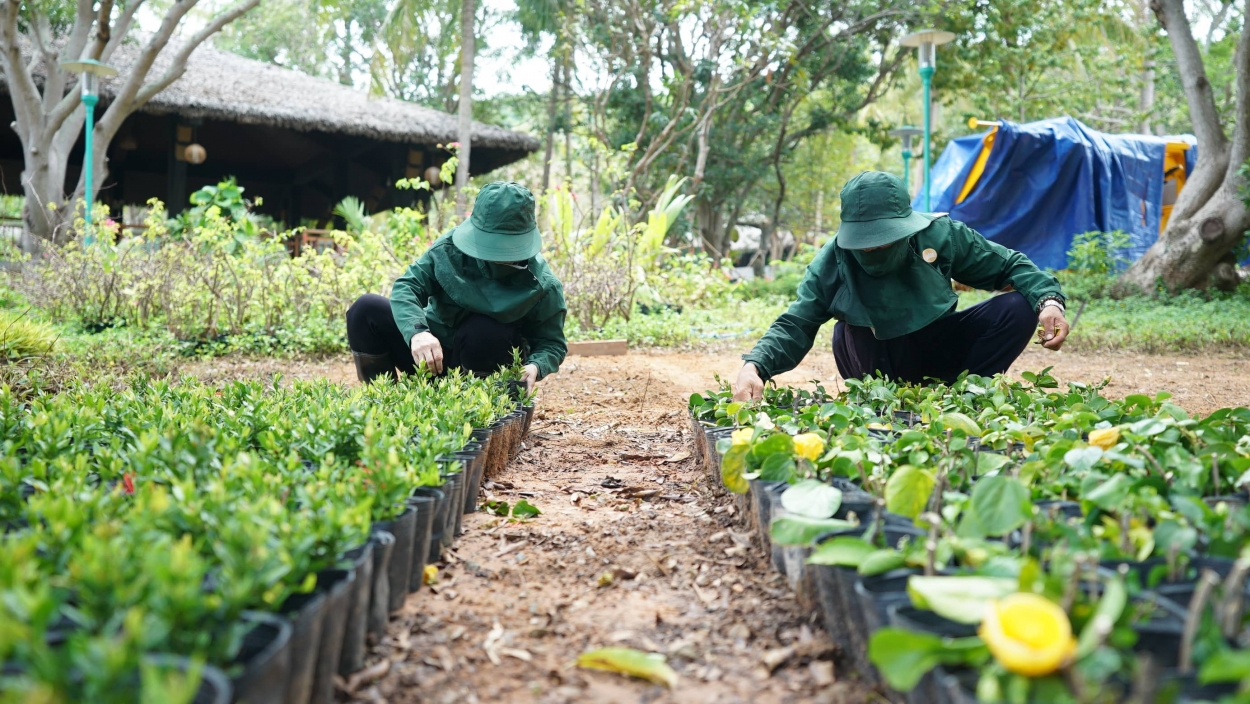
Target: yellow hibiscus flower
741,436
809,445
1028,634
1105,438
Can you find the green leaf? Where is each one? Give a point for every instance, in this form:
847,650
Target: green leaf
732,466
1110,494
796,530
499,508
961,599
958,421
903,657
777,443
907,492
1083,460
881,561
1002,504
627,661
1110,606
842,551
525,509
990,462
1226,666
811,498
778,468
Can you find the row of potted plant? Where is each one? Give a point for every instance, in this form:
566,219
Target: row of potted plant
251,534
1003,541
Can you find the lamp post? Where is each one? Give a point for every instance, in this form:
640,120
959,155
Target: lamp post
926,42
91,72
906,132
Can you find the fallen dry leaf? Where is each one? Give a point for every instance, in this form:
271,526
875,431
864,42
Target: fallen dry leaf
627,661
369,674
678,457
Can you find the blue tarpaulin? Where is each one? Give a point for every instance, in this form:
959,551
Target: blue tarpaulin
1046,181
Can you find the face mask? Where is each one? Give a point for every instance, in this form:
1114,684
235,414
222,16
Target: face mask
883,261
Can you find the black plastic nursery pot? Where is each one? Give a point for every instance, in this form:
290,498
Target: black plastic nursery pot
516,432
307,613
877,593
403,527
424,502
266,660
711,458
352,657
453,486
380,598
337,584
471,460
1184,688
529,418
904,615
214,688
497,459
442,504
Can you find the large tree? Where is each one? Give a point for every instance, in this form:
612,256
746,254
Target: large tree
1210,216
35,38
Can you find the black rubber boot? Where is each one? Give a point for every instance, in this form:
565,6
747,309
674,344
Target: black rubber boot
372,366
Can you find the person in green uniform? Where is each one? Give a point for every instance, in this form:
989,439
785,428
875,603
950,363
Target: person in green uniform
477,293
886,278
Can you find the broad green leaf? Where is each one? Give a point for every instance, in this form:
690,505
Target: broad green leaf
990,462
499,508
774,444
958,421
903,657
843,551
812,498
524,509
1002,504
732,466
907,491
796,530
1225,666
961,599
881,561
1110,606
1108,495
777,468
627,661
1082,460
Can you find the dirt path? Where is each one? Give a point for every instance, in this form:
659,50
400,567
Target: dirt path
632,549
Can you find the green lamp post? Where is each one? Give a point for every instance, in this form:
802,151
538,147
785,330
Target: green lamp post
91,72
926,42
906,133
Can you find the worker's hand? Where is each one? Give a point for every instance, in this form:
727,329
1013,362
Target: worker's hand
426,348
1054,327
530,377
750,387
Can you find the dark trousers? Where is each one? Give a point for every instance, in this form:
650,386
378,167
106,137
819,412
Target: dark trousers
481,344
984,339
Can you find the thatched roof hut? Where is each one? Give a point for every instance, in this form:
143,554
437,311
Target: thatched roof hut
300,142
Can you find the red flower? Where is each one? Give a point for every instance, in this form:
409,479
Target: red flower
128,483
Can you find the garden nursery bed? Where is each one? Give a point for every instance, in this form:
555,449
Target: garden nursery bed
179,542
1001,541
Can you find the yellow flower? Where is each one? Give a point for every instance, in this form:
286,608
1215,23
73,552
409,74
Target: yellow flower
741,436
809,445
429,575
1028,634
1105,438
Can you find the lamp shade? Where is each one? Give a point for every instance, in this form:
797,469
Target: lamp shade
926,42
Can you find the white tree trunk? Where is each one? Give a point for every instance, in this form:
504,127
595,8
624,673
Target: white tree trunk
464,128
1209,217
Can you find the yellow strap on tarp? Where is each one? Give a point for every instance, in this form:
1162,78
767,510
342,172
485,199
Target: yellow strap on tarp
1173,163
978,167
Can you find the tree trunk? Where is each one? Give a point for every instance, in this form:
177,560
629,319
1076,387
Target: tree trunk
465,127
553,102
1209,217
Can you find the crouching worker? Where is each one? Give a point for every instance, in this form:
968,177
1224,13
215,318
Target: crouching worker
480,291
886,277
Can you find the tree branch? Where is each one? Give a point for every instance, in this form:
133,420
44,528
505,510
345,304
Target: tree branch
179,62
1240,151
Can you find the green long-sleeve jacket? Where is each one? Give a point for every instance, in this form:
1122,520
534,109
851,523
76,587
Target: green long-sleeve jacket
836,287
446,285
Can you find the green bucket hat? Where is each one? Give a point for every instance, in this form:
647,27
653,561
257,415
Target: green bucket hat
502,227
876,211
